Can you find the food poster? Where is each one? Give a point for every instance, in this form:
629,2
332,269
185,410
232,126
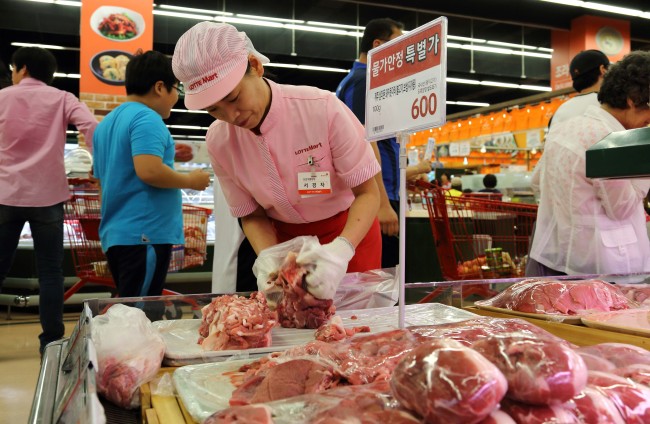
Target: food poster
111,33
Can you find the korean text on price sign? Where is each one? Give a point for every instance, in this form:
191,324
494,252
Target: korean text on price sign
406,82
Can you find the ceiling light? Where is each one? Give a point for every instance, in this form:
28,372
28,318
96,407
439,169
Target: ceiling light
463,81
266,18
191,9
471,40
307,67
498,50
188,111
323,30
183,15
516,46
602,7
43,46
476,104
499,84
354,27
187,127
62,75
535,87
249,22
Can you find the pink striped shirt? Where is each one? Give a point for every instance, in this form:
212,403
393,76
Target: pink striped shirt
302,121
33,120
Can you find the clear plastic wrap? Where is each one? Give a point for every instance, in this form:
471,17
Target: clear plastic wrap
371,289
631,399
129,352
620,354
539,371
369,404
447,382
554,297
561,413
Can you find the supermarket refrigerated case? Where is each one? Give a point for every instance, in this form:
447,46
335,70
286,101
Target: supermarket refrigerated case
67,380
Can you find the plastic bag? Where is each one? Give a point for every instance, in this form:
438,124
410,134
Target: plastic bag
371,289
129,351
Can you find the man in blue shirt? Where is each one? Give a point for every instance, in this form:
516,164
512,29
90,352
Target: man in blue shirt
352,91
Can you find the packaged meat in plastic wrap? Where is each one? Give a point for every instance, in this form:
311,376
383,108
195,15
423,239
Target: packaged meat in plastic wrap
549,297
631,399
469,331
620,354
561,413
447,382
539,371
592,406
129,351
318,366
370,404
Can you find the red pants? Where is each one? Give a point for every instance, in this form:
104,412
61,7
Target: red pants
367,254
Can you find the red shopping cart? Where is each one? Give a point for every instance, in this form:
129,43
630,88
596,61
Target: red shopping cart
477,237
82,219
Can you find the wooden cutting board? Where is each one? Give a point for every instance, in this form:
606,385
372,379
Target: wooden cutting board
157,409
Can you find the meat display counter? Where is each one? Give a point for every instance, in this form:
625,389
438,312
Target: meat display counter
67,382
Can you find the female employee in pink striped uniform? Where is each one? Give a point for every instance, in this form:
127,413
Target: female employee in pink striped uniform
266,146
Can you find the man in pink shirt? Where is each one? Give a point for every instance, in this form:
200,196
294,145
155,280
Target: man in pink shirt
33,184
291,160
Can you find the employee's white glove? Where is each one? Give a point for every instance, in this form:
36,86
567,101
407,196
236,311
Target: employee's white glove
326,266
265,269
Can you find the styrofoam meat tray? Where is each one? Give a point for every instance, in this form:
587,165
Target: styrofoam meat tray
207,388
181,336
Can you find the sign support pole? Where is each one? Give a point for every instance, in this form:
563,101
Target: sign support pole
402,138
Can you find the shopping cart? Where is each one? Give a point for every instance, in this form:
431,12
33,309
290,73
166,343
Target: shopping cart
478,238
82,217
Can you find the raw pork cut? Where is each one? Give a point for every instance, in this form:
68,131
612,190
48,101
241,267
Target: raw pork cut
637,292
596,362
559,297
298,308
364,404
498,417
593,407
288,379
469,331
446,382
333,330
639,373
562,413
249,414
236,322
361,360
620,354
631,399
539,371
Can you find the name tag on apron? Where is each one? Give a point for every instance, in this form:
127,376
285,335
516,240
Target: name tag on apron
314,183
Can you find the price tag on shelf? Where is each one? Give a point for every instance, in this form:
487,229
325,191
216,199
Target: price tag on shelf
406,82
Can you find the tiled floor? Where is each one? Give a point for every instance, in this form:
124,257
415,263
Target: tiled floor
20,362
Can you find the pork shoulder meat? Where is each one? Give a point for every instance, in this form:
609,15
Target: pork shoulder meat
560,297
446,382
236,322
539,371
298,308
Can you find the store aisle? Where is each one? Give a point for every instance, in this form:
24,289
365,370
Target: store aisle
20,363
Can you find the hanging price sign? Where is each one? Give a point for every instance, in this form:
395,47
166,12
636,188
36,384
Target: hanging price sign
406,88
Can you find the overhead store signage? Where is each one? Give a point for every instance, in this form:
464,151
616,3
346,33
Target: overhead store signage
110,36
406,88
